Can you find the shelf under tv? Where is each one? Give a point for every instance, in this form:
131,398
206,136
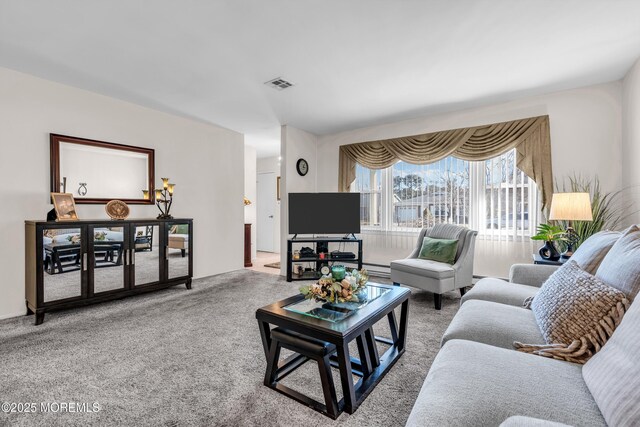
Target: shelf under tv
324,239
315,259
313,275
307,275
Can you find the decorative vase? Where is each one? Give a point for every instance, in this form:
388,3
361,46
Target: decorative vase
549,251
338,272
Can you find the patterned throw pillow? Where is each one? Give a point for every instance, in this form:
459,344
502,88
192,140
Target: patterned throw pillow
441,250
576,313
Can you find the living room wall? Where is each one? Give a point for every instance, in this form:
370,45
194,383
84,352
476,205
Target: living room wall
631,141
295,144
250,192
205,162
585,136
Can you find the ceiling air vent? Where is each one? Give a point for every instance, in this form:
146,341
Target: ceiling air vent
279,83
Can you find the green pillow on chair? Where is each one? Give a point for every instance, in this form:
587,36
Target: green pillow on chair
180,229
441,250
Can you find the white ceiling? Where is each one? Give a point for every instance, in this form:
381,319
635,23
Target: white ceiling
354,63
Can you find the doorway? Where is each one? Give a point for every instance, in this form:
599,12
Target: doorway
267,205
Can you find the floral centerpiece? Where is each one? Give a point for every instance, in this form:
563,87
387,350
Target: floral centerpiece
329,289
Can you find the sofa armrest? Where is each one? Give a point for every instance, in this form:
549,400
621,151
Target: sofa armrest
530,274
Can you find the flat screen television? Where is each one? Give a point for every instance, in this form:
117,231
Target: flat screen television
324,213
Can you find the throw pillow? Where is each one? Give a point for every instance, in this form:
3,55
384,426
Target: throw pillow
182,229
621,267
441,250
576,314
613,375
592,251
447,231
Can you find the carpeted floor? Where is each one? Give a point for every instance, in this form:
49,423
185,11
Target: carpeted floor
183,358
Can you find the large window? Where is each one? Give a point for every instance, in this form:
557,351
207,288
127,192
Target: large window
493,197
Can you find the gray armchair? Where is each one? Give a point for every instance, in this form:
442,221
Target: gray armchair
433,276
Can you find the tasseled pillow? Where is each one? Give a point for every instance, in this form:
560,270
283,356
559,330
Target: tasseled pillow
576,313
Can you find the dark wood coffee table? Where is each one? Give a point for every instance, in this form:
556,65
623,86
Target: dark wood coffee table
340,325
65,256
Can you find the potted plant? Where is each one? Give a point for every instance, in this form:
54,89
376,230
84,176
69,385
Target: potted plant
608,207
549,234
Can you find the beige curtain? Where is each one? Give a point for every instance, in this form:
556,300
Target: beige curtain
530,137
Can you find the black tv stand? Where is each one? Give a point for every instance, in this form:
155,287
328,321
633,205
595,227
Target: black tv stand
328,260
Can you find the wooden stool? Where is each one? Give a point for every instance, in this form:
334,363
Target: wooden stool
309,348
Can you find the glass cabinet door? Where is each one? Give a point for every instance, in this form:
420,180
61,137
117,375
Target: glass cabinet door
107,256
178,249
146,261
62,262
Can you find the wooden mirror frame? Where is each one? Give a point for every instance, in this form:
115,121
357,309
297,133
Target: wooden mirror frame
56,182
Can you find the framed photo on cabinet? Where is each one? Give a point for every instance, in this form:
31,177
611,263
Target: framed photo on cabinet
65,206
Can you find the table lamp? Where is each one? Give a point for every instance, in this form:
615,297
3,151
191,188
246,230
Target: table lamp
570,207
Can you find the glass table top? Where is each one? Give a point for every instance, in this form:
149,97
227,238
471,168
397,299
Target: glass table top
339,311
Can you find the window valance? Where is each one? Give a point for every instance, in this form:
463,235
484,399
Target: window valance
530,137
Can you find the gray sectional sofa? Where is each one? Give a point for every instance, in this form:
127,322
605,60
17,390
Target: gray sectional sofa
478,379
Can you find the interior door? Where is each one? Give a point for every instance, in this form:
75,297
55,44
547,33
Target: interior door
266,211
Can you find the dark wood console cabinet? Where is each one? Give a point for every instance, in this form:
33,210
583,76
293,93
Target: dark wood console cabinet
74,263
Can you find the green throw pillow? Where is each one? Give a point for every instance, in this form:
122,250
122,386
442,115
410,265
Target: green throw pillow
181,229
441,250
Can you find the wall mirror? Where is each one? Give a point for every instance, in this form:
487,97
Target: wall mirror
97,171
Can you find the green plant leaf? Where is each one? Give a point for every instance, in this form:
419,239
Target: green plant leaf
608,208
550,233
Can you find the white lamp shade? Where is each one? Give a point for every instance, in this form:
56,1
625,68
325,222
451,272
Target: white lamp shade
571,206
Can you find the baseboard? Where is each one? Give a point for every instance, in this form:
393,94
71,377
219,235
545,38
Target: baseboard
9,316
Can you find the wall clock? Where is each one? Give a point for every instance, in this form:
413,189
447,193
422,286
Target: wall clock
302,167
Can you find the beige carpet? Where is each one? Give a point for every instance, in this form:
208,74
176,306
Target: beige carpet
191,358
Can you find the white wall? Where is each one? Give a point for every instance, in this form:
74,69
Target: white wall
585,137
272,165
296,144
205,162
585,131
631,140
250,192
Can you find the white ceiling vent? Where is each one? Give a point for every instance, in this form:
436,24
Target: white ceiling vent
279,83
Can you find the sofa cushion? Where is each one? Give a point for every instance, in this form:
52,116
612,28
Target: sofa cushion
66,238
531,274
494,324
440,250
501,291
592,251
474,384
423,267
621,267
613,374
576,313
